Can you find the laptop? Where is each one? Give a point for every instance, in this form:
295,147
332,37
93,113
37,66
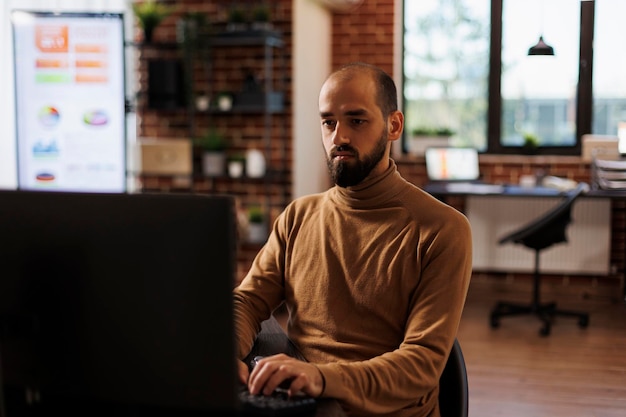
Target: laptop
452,164
455,170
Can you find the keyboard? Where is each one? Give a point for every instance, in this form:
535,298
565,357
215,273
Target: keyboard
277,404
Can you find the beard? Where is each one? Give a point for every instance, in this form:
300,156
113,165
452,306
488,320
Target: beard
350,173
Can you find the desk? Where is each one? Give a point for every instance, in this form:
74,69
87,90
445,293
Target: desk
442,191
273,340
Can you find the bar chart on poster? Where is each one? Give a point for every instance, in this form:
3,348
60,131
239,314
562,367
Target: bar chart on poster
69,88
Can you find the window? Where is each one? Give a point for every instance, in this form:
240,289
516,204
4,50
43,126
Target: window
446,67
466,67
539,91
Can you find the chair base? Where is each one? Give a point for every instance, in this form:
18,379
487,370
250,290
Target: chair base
546,313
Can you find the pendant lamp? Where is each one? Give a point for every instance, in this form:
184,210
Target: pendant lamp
541,48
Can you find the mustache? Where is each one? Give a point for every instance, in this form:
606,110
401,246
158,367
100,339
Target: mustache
343,149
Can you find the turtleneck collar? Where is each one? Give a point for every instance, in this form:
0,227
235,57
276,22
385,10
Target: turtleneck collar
371,192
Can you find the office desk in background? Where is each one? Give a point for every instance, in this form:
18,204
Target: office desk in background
487,206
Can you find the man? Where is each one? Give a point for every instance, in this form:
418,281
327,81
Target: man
374,271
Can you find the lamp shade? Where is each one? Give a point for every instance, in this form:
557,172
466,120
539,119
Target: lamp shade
541,48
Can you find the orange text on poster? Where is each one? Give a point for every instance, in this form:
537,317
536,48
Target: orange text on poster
52,38
91,78
90,49
51,63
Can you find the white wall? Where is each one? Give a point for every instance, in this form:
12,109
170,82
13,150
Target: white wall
398,33
311,66
8,169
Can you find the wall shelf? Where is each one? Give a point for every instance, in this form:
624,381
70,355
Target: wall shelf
251,66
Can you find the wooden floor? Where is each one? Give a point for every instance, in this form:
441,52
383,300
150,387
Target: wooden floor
515,372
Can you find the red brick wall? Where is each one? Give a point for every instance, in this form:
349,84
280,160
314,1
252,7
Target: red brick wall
365,34
225,70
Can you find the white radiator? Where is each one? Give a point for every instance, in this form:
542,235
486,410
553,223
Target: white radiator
587,250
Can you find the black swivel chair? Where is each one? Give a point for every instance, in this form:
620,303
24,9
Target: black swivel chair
540,234
453,386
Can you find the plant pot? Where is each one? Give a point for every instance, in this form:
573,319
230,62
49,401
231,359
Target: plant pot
202,102
262,26
235,169
225,102
148,32
257,232
255,167
213,163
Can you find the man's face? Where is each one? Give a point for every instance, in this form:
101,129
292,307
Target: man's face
346,173
354,132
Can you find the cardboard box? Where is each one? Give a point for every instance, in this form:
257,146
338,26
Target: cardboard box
165,156
598,144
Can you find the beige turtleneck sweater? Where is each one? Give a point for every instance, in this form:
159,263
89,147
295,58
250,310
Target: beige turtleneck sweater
374,278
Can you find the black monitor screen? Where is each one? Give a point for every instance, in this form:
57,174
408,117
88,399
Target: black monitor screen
116,299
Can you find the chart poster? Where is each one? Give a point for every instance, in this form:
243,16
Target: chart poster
69,81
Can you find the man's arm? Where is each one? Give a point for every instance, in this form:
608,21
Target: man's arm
260,292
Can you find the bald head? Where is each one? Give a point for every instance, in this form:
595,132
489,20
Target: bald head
386,93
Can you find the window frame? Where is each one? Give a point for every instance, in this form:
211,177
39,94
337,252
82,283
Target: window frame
584,105
584,93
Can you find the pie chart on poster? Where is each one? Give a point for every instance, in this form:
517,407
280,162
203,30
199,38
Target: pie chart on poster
45,177
95,118
49,116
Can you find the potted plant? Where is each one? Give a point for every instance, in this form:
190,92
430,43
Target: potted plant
213,146
150,14
427,137
236,19
261,18
193,29
257,228
530,144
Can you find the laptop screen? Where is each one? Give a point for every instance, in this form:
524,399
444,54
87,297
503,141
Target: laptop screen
452,164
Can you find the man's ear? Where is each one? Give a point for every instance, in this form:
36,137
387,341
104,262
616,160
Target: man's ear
395,125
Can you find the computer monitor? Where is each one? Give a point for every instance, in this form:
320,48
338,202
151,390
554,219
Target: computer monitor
116,302
70,101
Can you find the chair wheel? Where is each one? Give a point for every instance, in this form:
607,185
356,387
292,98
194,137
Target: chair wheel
545,329
583,322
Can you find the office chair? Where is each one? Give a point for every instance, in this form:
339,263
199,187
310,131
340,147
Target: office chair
540,234
453,385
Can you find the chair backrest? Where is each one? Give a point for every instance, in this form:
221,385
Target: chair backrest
549,228
453,385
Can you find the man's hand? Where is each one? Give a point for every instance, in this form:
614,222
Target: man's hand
271,371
